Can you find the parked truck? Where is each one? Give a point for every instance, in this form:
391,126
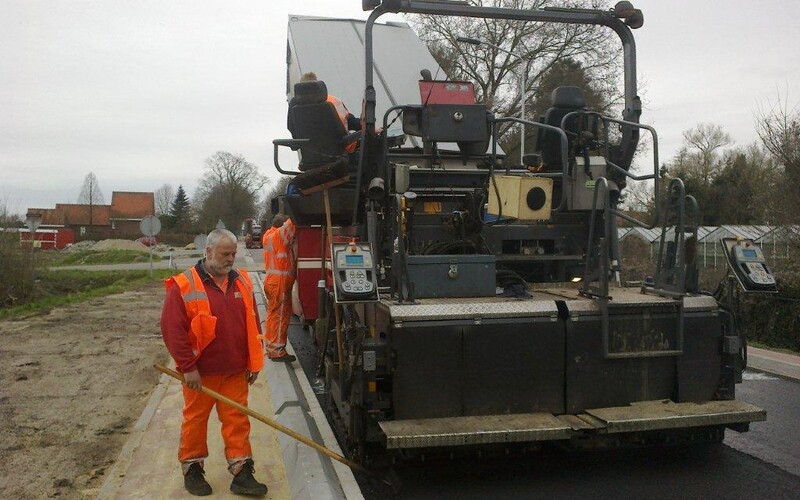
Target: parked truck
472,303
252,232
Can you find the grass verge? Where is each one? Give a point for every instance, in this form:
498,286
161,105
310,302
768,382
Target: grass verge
761,345
92,257
59,288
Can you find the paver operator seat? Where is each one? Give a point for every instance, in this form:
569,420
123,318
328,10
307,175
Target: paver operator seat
563,100
314,118
324,162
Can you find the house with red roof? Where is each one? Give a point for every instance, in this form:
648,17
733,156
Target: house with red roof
120,219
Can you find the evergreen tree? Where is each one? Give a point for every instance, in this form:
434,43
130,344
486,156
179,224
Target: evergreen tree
179,210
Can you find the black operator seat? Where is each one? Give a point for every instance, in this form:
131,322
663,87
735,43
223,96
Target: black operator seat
314,118
563,100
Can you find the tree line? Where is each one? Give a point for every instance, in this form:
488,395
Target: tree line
511,62
231,189
756,184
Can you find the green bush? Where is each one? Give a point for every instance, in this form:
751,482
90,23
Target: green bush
774,319
16,270
769,319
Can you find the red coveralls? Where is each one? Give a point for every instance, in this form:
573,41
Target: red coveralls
279,259
215,331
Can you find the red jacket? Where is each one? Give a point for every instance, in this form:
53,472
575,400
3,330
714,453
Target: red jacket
227,353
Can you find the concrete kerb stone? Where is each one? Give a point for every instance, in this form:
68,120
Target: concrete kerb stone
117,472
776,363
310,473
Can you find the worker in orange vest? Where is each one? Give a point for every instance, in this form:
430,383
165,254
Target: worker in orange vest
211,328
349,121
280,251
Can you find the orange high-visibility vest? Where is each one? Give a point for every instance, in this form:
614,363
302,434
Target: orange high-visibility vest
203,323
277,244
342,111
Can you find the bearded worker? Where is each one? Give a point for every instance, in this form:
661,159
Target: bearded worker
211,328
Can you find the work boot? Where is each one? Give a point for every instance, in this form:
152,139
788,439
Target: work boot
286,358
195,483
245,484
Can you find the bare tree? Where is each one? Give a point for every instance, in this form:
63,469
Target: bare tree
778,127
9,219
91,194
163,197
639,197
279,188
229,190
703,143
537,49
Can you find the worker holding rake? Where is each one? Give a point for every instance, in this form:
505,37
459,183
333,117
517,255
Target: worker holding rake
210,327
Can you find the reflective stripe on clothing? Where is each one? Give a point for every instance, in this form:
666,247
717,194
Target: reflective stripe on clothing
203,324
279,313
279,258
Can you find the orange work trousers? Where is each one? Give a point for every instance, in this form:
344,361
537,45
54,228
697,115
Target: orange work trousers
235,424
278,288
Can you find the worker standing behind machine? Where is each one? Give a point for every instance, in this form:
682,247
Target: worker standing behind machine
279,258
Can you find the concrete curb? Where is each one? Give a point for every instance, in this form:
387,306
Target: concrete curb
117,472
776,363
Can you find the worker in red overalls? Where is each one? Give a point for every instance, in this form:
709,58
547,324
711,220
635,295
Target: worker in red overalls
280,259
210,327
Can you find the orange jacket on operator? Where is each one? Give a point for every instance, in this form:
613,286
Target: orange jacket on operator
342,111
203,323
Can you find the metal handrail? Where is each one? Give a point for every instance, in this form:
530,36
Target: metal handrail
654,176
289,143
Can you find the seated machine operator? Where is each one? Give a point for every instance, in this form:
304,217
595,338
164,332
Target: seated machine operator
349,121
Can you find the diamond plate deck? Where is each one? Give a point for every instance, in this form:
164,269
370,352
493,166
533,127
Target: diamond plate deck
653,415
470,308
459,431
542,303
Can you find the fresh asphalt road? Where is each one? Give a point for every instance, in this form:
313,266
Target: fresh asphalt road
776,441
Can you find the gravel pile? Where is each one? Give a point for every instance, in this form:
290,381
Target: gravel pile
80,246
120,245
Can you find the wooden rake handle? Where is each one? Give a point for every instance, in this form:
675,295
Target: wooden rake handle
272,423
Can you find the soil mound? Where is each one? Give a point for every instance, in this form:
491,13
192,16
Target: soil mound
120,245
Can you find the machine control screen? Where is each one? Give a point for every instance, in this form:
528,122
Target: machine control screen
354,273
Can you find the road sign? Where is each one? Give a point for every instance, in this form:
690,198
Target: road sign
200,241
150,225
32,220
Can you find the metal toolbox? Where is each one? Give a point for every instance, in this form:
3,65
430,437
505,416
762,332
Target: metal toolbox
452,275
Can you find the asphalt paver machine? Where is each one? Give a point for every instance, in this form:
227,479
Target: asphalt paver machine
471,303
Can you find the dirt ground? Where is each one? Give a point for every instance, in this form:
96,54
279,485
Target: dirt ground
72,384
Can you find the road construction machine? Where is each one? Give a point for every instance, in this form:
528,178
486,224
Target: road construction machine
466,302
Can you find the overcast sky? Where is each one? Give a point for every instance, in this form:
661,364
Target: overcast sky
142,92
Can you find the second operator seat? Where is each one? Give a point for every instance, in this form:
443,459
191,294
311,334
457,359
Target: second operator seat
563,100
313,117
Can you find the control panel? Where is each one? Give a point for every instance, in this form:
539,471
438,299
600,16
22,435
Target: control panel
749,265
354,276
